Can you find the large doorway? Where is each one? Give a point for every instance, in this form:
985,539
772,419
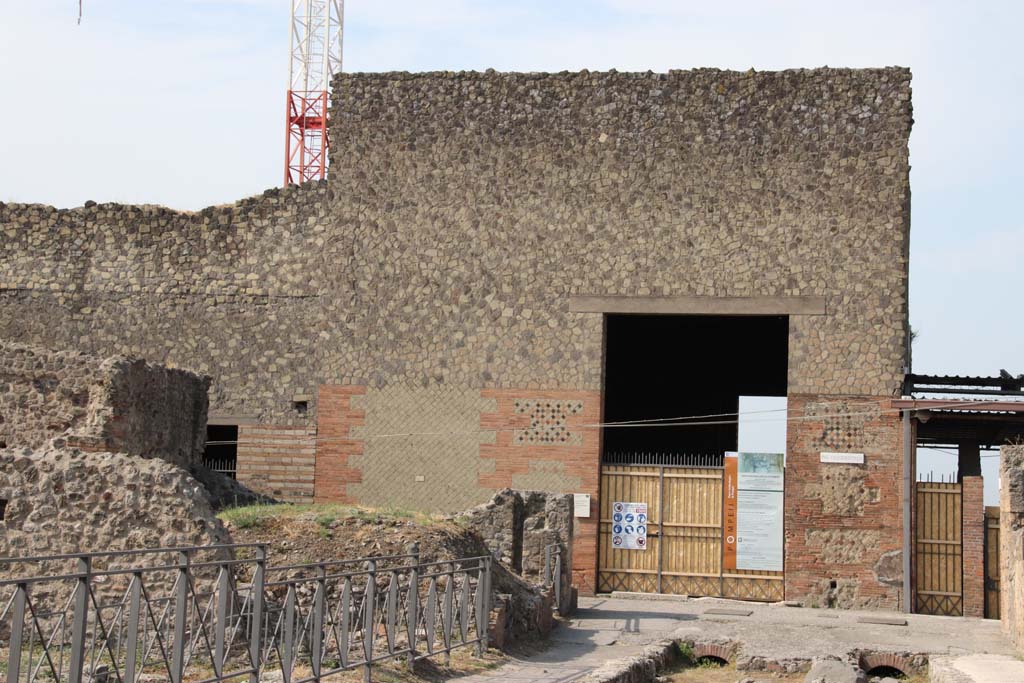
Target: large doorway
672,394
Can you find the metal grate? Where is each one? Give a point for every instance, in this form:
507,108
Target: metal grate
703,460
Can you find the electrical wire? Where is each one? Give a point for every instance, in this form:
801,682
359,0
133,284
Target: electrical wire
700,421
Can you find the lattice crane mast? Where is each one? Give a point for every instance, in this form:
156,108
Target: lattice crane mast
314,56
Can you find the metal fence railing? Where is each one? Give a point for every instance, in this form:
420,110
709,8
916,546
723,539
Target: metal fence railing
552,574
220,613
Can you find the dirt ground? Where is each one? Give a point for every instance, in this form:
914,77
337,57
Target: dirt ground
463,663
312,533
708,672
713,673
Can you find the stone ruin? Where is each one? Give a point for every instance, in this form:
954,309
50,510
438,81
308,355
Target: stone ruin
518,526
106,454
95,454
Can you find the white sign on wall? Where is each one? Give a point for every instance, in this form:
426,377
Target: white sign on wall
629,526
843,458
581,505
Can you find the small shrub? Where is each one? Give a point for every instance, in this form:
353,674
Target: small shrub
710,663
325,519
245,518
685,652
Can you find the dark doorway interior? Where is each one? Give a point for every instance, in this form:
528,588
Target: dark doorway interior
221,453
669,366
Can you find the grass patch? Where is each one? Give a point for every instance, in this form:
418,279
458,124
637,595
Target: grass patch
707,670
324,514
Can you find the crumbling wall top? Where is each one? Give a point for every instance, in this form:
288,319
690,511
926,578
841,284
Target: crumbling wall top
116,404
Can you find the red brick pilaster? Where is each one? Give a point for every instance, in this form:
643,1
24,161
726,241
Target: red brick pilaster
578,457
334,445
844,522
973,521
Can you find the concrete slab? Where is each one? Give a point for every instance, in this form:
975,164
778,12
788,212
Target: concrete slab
976,668
608,628
725,611
885,621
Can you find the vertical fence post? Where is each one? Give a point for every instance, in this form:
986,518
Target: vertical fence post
180,618
288,651
557,578
661,527
220,627
317,634
369,614
547,564
80,620
134,614
488,568
481,621
256,599
17,632
413,604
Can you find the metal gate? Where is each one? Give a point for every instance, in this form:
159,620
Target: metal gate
684,546
992,563
938,549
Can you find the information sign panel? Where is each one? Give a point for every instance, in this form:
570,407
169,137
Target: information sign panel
629,526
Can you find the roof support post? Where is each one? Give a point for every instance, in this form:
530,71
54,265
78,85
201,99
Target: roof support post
908,493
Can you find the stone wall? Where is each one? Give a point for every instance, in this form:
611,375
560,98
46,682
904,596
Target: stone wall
478,204
463,212
115,404
432,277
1011,543
60,501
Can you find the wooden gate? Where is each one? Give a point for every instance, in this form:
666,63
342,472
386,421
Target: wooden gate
991,563
684,546
938,549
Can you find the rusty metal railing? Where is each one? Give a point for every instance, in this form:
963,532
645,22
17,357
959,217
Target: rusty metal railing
207,614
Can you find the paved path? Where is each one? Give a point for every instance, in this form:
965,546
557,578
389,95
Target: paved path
611,628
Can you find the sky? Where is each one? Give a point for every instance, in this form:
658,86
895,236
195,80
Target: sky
181,103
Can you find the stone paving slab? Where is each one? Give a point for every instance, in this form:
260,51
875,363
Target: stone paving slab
605,629
730,612
976,668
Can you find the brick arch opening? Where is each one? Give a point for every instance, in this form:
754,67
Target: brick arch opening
887,664
713,651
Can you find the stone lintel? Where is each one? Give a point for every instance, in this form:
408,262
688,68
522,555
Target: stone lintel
224,419
700,305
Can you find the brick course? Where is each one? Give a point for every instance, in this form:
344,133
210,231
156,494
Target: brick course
277,460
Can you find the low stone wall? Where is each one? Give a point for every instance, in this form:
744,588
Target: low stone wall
61,501
518,526
1011,542
117,404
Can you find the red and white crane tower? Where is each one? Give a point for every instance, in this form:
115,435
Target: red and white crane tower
314,56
